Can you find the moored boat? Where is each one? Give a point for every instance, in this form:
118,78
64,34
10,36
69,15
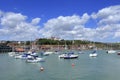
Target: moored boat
47,53
62,55
73,56
93,54
11,53
118,53
69,55
32,59
111,51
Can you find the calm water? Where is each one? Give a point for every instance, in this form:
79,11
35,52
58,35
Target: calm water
103,67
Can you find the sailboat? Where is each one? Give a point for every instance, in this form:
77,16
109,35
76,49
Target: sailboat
111,50
94,53
68,55
12,53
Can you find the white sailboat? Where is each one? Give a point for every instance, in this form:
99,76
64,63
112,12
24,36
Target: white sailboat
94,53
111,50
12,53
68,54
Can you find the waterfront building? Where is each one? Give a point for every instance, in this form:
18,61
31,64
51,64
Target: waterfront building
4,48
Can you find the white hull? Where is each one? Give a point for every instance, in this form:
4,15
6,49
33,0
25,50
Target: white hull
111,51
73,56
47,53
66,56
11,53
62,55
18,56
93,55
35,60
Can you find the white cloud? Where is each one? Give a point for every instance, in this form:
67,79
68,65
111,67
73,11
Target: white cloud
14,26
64,26
108,22
35,21
1,13
73,27
108,15
117,34
12,19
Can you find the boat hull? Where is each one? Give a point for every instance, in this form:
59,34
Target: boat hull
93,55
70,56
111,51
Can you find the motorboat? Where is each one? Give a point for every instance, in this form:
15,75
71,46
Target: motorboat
22,56
68,56
47,53
62,55
34,54
26,55
118,53
93,55
111,51
32,59
18,56
11,54
72,56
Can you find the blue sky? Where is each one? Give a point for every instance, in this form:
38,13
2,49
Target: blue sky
53,8
68,19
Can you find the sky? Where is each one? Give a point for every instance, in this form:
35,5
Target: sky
94,20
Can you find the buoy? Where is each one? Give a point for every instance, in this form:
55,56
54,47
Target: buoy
41,69
73,64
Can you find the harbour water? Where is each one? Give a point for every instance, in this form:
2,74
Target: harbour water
103,67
